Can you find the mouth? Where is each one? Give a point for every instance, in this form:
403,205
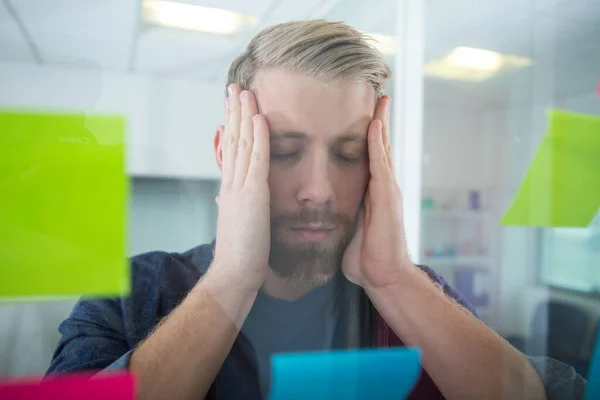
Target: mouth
313,232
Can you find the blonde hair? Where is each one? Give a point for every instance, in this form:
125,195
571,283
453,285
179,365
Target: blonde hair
318,48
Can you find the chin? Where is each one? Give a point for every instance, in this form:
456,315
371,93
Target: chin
308,264
305,277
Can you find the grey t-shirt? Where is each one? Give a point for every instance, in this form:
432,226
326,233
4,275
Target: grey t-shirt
279,326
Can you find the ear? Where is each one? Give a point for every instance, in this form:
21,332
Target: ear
217,143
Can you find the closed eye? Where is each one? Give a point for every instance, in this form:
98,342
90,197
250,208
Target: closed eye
349,159
284,156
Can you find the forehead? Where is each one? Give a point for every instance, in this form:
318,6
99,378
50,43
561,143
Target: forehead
293,101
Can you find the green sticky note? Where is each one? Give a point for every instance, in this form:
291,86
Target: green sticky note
562,186
63,204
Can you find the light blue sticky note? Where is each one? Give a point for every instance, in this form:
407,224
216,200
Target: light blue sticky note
345,374
593,385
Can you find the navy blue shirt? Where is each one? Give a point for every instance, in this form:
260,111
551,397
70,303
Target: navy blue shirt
101,334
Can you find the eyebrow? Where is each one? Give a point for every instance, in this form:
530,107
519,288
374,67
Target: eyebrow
344,137
350,137
288,135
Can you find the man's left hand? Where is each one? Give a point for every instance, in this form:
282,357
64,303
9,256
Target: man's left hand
377,255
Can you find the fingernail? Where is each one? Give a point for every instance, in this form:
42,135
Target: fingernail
230,90
243,96
226,103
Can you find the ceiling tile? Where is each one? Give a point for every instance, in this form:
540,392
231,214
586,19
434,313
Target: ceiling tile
164,49
293,10
366,16
171,51
253,8
449,24
89,32
13,46
484,26
207,70
571,10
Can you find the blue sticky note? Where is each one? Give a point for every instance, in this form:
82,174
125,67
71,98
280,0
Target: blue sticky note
345,374
593,385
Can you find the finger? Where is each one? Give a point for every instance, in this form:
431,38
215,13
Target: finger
367,207
226,168
232,132
226,110
378,163
360,218
387,140
258,170
382,112
249,110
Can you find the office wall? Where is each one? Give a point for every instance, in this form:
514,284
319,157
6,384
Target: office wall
462,145
170,122
171,161
463,151
171,215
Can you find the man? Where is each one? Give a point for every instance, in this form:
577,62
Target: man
308,204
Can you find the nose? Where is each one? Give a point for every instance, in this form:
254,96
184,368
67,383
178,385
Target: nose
316,188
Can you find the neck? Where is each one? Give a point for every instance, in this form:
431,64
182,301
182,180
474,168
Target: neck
283,288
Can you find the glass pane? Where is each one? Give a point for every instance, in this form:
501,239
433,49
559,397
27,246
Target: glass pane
493,71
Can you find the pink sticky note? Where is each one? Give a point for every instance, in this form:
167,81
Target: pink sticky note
117,386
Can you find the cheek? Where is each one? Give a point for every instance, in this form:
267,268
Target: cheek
281,189
350,188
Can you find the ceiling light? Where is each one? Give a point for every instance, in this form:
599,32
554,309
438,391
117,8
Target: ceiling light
466,63
466,57
192,17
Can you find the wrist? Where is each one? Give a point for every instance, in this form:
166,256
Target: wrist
235,299
387,277
405,280
222,277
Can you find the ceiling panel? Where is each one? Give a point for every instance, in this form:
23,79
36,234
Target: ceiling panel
255,7
486,28
529,5
563,43
201,55
294,10
73,31
374,17
230,47
13,46
448,18
206,70
570,10
167,50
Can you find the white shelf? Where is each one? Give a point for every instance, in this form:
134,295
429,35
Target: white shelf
475,262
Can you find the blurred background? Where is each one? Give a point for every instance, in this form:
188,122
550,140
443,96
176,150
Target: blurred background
473,81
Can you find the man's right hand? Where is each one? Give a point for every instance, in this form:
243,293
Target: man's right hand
243,227
182,357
